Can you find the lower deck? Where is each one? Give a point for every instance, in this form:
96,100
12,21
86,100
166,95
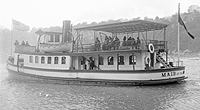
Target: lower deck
129,68
106,61
123,77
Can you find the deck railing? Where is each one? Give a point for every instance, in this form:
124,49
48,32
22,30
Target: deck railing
119,45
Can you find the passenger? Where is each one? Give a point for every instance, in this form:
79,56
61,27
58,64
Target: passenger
138,43
133,43
124,41
16,42
110,43
106,38
105,44
116,43
129,38
27,44
97,44
116,38
110,39
91,64
84,63
129,41
23,43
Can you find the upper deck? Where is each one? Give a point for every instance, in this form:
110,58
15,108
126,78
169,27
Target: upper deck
132,35
122,46
113,37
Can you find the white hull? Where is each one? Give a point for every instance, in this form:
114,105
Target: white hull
63,47
124,77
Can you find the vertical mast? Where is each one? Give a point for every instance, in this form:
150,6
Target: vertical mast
178,33
11,35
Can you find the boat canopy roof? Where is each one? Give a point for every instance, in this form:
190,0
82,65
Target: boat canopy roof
40,32
126,27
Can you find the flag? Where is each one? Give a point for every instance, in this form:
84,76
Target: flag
182,23
16,25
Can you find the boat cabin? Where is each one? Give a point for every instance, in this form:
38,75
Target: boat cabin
51,37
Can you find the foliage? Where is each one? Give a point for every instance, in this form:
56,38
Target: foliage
190,18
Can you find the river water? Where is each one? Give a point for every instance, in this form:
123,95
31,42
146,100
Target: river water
20,95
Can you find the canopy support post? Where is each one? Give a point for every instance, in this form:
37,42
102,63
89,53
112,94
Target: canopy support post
133,61
98,60
165,45
117,61
146,36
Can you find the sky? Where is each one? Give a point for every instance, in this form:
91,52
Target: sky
46,13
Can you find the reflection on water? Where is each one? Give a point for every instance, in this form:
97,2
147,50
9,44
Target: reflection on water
36,95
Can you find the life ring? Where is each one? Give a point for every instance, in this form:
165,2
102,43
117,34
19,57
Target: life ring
147,63
147,60
151,48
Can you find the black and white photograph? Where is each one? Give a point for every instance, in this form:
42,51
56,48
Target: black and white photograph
99,54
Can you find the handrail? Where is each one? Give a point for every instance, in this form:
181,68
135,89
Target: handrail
175,61
169,55
120,45
179,63
161,60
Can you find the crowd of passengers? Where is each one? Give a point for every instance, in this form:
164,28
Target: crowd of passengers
114,43
23,43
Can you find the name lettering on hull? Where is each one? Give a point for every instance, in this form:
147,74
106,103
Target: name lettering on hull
174,73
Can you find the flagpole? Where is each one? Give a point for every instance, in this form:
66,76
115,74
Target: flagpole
178,34
11,35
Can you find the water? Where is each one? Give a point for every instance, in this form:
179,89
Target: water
20,95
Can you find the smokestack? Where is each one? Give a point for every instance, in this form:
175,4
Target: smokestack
66,31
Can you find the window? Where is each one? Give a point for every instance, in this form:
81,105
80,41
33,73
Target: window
63,60
100,60
36,59
132,59
110,60
57,38
31,59
56,60
121,60
51,38
83,60
49,60
42,60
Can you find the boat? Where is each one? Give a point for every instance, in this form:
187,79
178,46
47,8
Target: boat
49,41
66,47
122,53
53,44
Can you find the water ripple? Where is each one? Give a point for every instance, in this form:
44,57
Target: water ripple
34,95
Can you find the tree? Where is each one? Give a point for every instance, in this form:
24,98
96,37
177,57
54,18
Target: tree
157,18
194,9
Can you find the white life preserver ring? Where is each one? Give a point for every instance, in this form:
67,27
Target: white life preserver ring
151,48
147,60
